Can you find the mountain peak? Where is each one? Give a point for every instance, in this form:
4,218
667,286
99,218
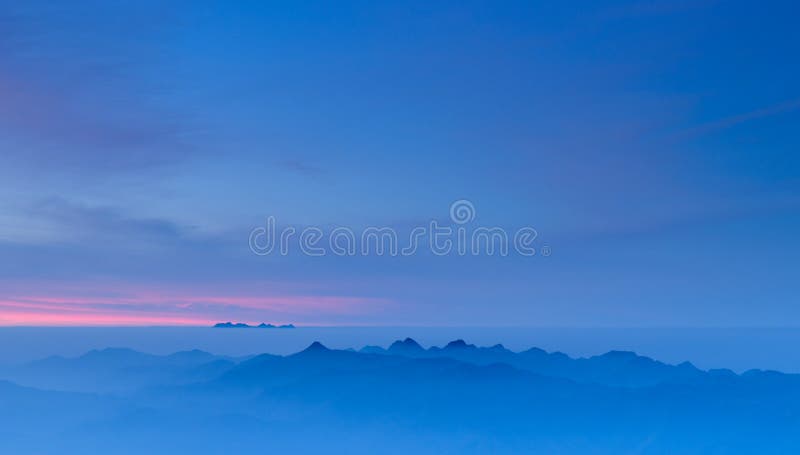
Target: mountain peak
405,345
458,344
316,347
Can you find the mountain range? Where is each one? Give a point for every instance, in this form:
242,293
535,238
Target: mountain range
242,325
458,398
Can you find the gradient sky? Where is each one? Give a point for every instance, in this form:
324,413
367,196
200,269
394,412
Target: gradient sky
652,144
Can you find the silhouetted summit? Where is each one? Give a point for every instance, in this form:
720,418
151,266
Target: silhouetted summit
458,344
406,346
316,347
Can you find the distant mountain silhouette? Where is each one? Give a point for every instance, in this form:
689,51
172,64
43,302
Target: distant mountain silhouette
242,325
119,370
459,398
407,346
617,368
231,325
497,400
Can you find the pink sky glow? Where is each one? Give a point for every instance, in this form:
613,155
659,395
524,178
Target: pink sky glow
132,305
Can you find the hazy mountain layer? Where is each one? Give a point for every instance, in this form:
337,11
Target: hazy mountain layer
455,399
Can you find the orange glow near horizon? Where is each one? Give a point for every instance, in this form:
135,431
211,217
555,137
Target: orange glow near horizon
54,319
138,306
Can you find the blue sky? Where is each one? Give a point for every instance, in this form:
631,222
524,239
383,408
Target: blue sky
652,144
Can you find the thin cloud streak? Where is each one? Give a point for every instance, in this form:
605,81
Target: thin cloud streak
729,122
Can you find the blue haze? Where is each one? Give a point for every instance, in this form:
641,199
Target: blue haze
458,398
738,349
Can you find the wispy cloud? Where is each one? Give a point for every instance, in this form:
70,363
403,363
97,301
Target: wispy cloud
734,120
58,220
72,98
306,170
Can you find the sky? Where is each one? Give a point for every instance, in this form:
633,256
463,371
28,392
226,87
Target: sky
652,145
